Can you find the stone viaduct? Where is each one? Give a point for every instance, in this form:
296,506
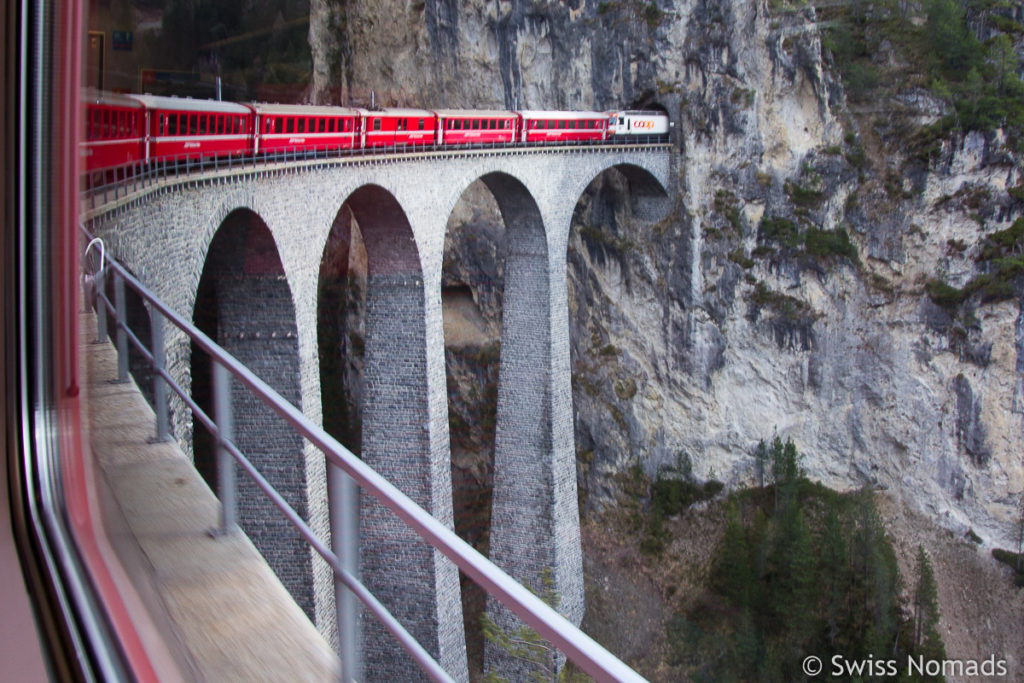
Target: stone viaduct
252,241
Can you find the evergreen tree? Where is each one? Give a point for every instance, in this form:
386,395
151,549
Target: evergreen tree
835,575
927,640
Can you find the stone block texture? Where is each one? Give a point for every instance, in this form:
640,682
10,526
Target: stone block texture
402,207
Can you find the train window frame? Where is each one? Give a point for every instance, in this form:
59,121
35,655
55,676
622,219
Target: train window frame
422,124
376,124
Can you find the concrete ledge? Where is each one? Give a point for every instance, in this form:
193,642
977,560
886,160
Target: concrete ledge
219,610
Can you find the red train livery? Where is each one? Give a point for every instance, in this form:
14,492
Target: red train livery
122,130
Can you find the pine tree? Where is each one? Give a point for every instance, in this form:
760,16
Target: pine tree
927,640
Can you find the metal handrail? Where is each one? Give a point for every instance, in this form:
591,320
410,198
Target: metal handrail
591,657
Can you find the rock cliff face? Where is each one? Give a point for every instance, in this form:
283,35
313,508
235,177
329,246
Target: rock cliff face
786,291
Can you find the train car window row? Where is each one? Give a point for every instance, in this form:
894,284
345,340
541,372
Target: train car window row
199,124
284,124
478,124
111,124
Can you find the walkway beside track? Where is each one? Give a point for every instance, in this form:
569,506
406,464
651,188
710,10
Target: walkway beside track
214,605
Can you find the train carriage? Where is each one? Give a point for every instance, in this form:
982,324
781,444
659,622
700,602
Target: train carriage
398,127
180,127
280,127
474,127
114,131
632,124
563,126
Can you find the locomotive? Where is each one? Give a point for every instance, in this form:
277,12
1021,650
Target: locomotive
126,129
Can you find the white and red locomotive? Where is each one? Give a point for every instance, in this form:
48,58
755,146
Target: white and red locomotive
126,129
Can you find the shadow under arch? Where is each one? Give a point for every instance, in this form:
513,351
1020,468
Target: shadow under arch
534,527
244,303
629,262
493,217
417,585
647,198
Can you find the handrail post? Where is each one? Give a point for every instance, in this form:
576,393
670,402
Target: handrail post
343,503
122,334
99,290
225,461
159,386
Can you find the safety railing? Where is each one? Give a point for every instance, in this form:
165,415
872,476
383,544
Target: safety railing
103,185
345,471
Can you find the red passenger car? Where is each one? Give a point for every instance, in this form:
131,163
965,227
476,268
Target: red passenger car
398,127
563,126
469,127
114,131
291,126
186,128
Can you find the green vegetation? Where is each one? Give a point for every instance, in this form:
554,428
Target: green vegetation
800,570
826,243
781,230
821,244
673,491
784,306
803,196
527,646
1001,258
737,257
1013,560
936,47
727,204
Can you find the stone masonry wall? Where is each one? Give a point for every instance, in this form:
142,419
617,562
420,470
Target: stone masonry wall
164,237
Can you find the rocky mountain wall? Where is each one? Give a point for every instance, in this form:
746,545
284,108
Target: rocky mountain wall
787,290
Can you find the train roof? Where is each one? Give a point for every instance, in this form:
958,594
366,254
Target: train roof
93,96
640,112
412,113
474,113
302,109
189,104
543,114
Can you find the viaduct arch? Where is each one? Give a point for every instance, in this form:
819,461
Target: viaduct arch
169,238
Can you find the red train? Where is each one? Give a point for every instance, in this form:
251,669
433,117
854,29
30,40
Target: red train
124,129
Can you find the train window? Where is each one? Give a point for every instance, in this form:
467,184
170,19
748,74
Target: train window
476,124
300,125
421,124
289,125
376,124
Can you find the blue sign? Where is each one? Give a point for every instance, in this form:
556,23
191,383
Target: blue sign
122,40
